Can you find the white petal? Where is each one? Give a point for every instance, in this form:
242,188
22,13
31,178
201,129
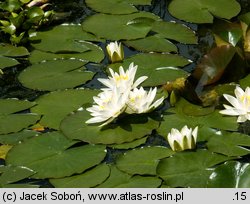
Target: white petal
139,81
241,119
232,100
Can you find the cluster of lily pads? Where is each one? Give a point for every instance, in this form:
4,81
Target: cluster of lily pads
21,18
124,139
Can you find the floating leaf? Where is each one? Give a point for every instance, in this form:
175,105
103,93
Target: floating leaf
160,68
10,122
126,129
94,54
50,156
7,62
115,178
107,26
189,169
130,145
213,65
116,6
179,116
56,74
62,103
202,11
88,179
175,31
56,39
12,51
13,174
232,174
230,144
4,150
245,82
141,182
16,138
143,160
154,43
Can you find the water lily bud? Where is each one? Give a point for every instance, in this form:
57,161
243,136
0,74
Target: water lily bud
173,98
182,140
115,52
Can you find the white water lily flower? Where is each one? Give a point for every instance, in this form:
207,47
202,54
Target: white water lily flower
108,106
240,104
124,81
184,139
115,51
141,101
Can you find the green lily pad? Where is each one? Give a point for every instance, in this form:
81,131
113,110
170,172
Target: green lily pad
232,174
230,144
72,100
16,138
94,54
244,83
202,11
154,43
116,6
189,169
140,182
51,155
160,68
54,75
175,31
10,122
129,145
143,160
13,105
126,129
115,178
7,62
88,179
117,27
13,174
62,38
179,116
12,51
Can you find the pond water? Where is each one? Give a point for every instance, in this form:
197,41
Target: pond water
49,78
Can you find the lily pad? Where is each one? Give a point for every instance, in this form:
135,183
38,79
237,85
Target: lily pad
175,31
12,51
72,100
88,179
16,138
230,144
13,174
202,11
189,169
143,160
232,174
160,68
10,122
115,178
154,43
54,75
177,117
244,83
116,6
62,38
130,145
51,155
126,129
7,62
117,27
140,182
94,54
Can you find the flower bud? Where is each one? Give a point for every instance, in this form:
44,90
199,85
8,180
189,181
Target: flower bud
115,52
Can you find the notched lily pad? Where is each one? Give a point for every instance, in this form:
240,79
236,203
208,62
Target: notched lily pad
202,11
55,74
12,51
126,129
143,160
51,155
7,62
